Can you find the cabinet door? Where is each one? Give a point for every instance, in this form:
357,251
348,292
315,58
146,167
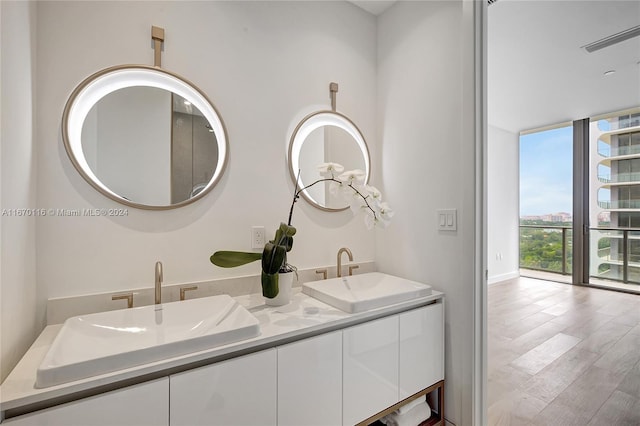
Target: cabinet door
143,404
421,348
239,391
310,381
370,369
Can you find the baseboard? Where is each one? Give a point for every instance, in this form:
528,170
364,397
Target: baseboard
503,277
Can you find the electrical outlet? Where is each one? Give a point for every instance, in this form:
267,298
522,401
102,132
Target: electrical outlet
257,237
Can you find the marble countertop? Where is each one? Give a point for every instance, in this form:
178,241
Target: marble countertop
303,317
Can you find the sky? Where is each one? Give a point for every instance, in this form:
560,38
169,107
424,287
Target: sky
546,172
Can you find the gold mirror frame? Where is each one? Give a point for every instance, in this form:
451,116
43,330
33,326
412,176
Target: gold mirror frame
106,81
307,125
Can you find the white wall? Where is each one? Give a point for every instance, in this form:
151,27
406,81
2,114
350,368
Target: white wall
265,65
426,161
18,320
502,204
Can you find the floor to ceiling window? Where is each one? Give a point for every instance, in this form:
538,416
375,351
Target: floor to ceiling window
611,212
614,254
546,217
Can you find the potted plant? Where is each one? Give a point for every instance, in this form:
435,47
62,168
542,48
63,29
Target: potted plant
350,184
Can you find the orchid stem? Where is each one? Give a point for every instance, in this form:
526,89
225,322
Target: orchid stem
297,194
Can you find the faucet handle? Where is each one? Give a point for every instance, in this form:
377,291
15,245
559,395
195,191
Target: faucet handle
352,267
127,296
183,290
323,272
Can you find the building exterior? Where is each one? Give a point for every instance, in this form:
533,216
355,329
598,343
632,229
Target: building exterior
615,198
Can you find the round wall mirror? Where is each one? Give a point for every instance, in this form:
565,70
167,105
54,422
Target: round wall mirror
145,137
326,137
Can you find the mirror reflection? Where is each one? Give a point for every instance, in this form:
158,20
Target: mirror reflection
149,145
328,144
144,137
325,137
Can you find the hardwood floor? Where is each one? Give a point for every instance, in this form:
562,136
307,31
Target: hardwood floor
562,355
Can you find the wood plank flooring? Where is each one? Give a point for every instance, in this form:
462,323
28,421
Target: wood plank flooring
562,355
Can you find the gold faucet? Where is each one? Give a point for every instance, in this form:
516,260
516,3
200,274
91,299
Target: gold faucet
158,283
339,266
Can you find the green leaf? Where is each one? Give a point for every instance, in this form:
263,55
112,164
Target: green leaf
284,236
230,259
289,230
273,258
288,243
269,285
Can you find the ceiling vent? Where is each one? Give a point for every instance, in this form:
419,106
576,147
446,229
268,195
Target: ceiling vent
612,39
490,2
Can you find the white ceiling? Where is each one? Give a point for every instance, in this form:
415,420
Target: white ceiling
539,75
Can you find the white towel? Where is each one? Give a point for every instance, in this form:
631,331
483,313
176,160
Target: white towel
410,405
413,417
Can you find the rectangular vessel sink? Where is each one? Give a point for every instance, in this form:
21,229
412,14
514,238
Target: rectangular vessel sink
358,293
89,345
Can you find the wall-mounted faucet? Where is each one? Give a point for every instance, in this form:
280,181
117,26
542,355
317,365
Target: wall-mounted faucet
184,290
126,296
323,272
339,265
158,283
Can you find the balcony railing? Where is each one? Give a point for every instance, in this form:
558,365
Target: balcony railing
632,120
620,178
546,248
620,204
615,252
620,151
617,255
625,150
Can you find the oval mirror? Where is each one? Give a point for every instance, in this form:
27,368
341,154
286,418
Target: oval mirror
326,137
145,137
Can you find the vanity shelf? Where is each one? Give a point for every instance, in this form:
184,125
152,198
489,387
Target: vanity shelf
435,397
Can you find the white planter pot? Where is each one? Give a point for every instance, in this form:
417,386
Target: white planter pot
285,281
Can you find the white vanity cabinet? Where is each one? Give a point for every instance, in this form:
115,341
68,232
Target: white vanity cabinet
370,357
347,374
146,404
239,391
421,349
310,381
390,359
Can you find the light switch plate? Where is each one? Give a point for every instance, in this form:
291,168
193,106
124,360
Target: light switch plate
447,219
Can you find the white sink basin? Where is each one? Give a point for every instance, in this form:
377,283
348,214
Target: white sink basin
358,293
89,345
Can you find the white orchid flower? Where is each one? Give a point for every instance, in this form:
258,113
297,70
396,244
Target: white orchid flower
351,187
353,176
373,192
385,213
356,196
337,188
379,215
370,221
329,170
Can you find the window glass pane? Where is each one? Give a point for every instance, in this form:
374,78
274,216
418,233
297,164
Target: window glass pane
615,244
546,197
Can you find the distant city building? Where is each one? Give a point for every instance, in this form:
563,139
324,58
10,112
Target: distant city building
551,217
